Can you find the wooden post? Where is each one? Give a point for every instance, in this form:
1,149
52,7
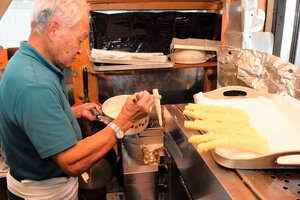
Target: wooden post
83,61
4,6
210,79
262,4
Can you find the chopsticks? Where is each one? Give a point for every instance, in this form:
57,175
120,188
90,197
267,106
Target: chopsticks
157,98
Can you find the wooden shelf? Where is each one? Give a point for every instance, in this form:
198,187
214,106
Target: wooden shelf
206,64
210,72
134,71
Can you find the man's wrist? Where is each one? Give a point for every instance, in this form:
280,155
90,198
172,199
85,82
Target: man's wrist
122,123
119,133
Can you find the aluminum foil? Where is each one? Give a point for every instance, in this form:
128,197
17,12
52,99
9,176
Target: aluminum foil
260,71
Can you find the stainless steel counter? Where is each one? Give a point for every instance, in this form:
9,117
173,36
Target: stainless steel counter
203,178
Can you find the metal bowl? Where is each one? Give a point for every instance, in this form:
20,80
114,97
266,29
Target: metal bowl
99,174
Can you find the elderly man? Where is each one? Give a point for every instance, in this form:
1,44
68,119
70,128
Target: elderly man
39,132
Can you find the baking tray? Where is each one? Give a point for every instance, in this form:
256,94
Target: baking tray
284,147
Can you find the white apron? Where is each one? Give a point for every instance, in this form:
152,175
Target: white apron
51,189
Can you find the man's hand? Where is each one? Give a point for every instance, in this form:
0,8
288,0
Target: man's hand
136,106
84,110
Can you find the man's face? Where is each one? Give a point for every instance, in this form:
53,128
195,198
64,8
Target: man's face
70,43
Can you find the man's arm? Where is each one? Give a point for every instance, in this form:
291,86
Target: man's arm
77,159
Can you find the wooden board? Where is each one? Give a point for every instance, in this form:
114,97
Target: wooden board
165,5
275,118
133,67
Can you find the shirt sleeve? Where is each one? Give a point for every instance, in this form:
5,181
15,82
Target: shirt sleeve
40,113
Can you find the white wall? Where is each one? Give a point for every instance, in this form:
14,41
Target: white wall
15,23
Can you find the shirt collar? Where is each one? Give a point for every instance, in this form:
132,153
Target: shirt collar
31,51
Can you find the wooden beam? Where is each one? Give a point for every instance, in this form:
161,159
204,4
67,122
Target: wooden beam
83,61
224,23
157,6
210,79
262,4
143,1
269,15
4,6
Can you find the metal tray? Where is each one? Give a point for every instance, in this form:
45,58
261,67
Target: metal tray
132,144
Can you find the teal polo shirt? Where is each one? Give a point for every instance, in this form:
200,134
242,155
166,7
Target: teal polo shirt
36,120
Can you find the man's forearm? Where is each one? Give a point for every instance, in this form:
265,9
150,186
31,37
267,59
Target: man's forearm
77,159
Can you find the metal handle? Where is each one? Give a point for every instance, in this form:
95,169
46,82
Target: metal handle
85,84
99,116
95,111
181,180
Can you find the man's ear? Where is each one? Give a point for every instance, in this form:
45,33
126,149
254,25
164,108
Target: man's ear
52,29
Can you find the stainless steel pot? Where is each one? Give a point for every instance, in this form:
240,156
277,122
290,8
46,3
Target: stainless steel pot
105,168
100,173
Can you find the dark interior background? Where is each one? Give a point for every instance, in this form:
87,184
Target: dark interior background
151,31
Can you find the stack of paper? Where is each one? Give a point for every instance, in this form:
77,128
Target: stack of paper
120,60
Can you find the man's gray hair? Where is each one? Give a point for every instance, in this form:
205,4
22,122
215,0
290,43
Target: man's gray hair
68,11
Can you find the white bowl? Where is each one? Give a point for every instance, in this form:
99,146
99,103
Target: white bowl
112,107
189,56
